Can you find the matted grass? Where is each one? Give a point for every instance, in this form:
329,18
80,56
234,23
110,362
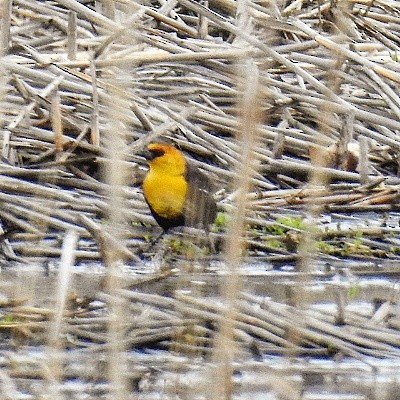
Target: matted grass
278,102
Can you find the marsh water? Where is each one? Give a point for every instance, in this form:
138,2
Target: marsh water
161,367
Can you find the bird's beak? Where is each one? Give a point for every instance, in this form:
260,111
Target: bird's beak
151,154
146,154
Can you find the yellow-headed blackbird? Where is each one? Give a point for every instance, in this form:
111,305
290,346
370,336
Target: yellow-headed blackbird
177,193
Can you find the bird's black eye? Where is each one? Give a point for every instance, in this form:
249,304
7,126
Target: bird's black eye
157,152
154,153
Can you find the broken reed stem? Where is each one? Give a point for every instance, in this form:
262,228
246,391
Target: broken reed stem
94,123
54,369
248,132
72,35
108,8
363,164
56,122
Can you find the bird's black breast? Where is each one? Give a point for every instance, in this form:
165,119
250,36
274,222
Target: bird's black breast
167,223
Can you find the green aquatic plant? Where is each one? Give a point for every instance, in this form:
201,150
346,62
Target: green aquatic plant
187,248
353,291
293,221
355,247
327,248
221,222
274,229
8,319
274,243
284,223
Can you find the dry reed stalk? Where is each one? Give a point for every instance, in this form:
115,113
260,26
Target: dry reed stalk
6,12
363,164
112,257
72,35
248,134
252,40
184,87
318,177
94,126
92,16
54,366
154,57
343,51
57,126
117,104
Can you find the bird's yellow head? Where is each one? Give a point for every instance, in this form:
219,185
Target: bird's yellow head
165,158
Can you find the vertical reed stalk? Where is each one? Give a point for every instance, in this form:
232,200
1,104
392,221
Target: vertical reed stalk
54,369
248,132
307,249
94,123
109,8
72,35
114,143
56,122
5,21
113,140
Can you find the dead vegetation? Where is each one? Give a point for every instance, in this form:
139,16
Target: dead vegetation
327,78
291,107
